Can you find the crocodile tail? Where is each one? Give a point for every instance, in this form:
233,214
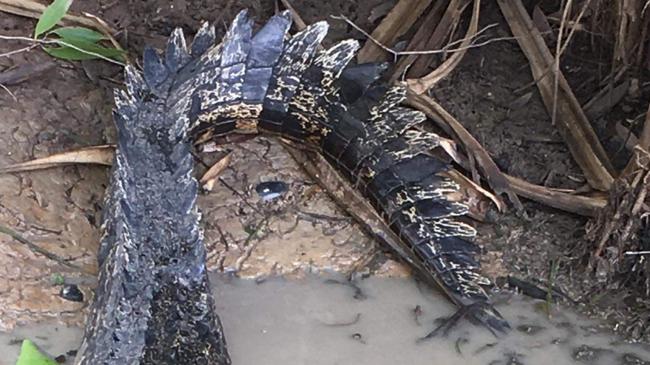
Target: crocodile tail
390,161
153,303
372,141
407,185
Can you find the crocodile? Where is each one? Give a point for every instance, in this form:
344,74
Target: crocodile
153,304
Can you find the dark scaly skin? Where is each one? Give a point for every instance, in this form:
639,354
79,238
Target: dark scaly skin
370,141
153,303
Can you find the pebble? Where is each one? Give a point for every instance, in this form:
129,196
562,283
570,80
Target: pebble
270,190
72,293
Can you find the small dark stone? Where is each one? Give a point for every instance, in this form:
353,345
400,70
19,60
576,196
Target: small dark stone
514,359
559,341
358,337
631,359
60,359
530,329
71,353
72,293
587,354
270,190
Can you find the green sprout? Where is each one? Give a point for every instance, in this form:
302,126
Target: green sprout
31,355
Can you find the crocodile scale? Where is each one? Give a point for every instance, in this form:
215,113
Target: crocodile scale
153,304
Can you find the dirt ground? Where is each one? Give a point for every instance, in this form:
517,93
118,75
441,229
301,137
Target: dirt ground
70,107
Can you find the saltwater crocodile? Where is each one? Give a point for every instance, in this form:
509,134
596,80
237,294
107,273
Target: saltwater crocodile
153,304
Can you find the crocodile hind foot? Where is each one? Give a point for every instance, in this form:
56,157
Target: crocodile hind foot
480,313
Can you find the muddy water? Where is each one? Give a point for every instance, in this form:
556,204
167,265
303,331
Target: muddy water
318,321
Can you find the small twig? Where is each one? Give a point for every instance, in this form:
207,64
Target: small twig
556,60
561,47
324,217
9,92
20,50
23,72
249,250
358,293
36,249
60,43
632,253
549,293
445,49
401,17
426,82
108,32
240,195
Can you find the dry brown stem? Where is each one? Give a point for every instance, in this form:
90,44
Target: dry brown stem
582,205
99,155
490,170
618,228
34,9
572,122
398,21
424,38
210,176
643,143
421,85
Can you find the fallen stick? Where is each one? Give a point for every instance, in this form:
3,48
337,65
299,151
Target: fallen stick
24,72
425,39
41,251
421,85
643,143
581,140
398,21
100,155
578,204
490,170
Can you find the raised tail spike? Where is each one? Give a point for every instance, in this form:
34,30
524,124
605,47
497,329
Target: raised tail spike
203,40
266,49
176,55
297,56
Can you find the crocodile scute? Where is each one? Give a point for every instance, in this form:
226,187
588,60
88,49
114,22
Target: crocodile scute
153,304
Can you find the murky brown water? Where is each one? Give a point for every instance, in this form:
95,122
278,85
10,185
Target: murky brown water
315,321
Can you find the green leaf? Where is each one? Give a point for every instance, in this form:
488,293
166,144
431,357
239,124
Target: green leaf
78,34
57,279
72,54
51,15
68,53
31,355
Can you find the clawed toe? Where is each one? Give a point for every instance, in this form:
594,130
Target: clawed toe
480,312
